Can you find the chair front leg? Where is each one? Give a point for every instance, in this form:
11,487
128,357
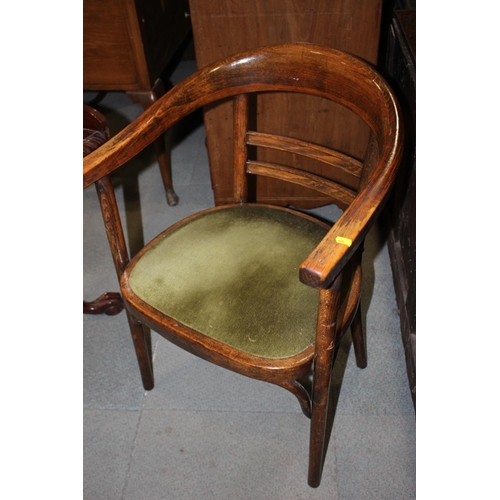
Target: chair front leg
142,351
116,239
323,361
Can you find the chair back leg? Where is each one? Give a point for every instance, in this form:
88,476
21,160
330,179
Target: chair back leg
358,339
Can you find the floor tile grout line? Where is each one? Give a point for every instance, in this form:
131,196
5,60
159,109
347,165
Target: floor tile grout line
141,413
132,451
263,412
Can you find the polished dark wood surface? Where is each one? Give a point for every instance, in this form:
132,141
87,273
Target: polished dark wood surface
401,72
127,44
95,129
95,134
224,27
334,267
109,303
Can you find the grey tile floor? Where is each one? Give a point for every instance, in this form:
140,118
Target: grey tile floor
203,432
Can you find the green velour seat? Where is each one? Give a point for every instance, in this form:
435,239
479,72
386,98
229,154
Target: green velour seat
238,278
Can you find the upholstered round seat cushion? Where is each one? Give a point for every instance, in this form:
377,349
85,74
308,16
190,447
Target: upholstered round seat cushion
233,274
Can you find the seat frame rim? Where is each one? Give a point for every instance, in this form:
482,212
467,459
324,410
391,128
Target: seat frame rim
274,370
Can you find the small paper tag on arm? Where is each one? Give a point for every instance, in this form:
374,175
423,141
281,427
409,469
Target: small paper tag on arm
343,241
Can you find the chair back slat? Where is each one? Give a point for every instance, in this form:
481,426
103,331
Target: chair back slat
325,155
342,195
343,170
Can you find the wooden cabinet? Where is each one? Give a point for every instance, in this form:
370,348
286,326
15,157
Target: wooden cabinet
400,67
127,43
224,27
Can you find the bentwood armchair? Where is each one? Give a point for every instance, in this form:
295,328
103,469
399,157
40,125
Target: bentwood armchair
262,290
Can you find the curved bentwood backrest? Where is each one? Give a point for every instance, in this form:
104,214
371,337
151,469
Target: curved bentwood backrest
301,68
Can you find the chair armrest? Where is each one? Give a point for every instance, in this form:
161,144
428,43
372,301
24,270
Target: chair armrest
328,259
146,128
119,149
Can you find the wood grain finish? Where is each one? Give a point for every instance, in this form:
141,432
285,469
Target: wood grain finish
327,337
111,53
334,266
109,303
401,70
116,239
95,134
162,145
128,43
225,27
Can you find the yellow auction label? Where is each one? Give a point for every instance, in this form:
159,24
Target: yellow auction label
344,241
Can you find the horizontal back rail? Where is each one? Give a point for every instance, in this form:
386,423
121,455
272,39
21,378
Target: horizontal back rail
328,156
343,195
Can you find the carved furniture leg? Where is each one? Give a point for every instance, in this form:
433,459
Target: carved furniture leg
96,133
162,145
109,303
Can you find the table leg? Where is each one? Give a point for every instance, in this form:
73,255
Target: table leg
162,145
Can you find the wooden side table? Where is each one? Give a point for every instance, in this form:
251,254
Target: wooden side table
96,133
127,44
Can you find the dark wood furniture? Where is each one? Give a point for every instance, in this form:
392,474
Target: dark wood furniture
262,290
95,134
127,44
400,67
225,27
